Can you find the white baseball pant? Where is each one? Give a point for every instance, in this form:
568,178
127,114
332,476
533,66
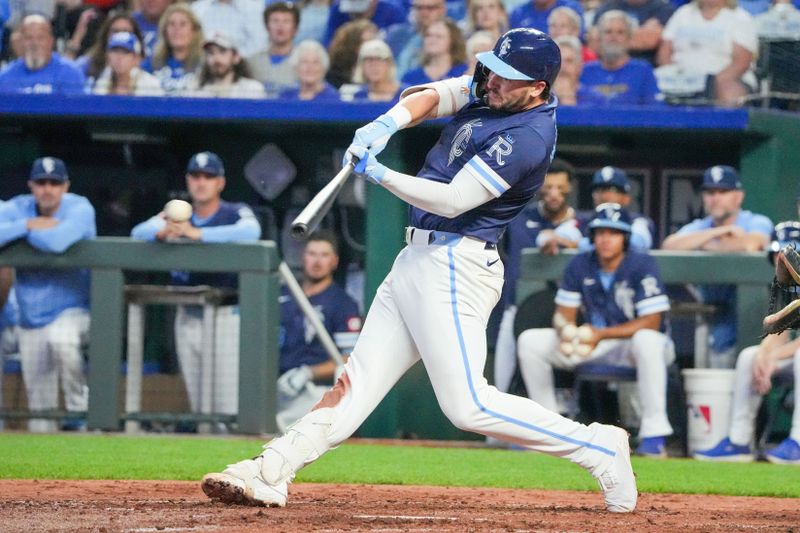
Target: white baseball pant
225,358
649,351
746,400
51,352
505,351
434,305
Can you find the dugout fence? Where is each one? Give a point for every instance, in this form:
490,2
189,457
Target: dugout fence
108,258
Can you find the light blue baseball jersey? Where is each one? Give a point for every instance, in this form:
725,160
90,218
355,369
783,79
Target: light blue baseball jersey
509,153
42,294
634,290
232,222
723,326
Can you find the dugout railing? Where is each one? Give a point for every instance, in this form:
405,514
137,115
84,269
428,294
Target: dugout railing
109,257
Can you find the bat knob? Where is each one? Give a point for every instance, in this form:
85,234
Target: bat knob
300,231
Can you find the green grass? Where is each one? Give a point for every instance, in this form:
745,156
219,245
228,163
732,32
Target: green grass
188,458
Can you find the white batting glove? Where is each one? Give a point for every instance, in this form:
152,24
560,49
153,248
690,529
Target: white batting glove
293,381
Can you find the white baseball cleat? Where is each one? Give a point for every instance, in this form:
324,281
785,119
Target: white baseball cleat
242,484
618,481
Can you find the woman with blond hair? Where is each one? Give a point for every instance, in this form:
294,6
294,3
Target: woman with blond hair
377,72
344,48
179,52
443,54
311,63
485,15
714,38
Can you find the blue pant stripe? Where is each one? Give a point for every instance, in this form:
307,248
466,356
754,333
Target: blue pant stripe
474,394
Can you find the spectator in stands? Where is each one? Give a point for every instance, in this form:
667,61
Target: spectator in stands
782,21
405,39
755,368
306,369
726,228
123,76
80,37
624,311
566,21
311,64
485,15
313,20
547,223
225,74
652,16
213,220
715,39
178,52
567,86
40,70
272,66
533,14
377,73
148,17
383,13
617,79
480,41
444,54
53,304
94,61
240,20
344,50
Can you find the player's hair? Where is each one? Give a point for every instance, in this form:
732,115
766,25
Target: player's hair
282,7
97,52
559,165
163,50
325,235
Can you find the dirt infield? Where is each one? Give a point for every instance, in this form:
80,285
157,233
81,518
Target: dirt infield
141,506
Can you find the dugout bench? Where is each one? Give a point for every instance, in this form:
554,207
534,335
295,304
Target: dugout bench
107,258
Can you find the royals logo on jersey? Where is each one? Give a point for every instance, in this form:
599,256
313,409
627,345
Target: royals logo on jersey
461,140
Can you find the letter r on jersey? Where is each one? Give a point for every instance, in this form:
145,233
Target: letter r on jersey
500,148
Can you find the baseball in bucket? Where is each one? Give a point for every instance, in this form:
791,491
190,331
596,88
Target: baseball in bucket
709,396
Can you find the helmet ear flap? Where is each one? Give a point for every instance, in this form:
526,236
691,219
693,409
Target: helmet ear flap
479,79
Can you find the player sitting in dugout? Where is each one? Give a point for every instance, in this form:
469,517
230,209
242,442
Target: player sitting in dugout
621,297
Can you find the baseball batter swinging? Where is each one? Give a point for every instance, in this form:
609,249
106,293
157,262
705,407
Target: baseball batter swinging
434,304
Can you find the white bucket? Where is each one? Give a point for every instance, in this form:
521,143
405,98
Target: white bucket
709,395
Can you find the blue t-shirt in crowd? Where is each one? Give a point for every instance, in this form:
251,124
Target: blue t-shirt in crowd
59,76
362,95
527,16
634,83
418,76
328,92
149,32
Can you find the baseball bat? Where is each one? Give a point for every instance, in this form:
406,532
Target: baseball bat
310,217
308,310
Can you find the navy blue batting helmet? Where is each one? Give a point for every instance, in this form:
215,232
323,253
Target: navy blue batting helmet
519,54
785,233
611,215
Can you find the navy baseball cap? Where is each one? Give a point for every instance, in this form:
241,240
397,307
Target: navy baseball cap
611,177
49,168
207,163
721,177
125,40
612,216
785,233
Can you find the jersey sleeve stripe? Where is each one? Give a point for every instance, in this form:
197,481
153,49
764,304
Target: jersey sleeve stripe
490,179
656,304
568,298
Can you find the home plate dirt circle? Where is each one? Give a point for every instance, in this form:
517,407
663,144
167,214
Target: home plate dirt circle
172,506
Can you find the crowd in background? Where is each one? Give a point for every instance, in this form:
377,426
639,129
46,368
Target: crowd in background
615,51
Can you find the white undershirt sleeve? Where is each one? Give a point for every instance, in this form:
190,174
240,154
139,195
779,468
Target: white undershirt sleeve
444,199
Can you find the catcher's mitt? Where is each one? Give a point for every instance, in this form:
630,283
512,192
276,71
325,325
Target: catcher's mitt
784,303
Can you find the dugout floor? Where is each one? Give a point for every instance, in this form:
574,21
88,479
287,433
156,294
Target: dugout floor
144,506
